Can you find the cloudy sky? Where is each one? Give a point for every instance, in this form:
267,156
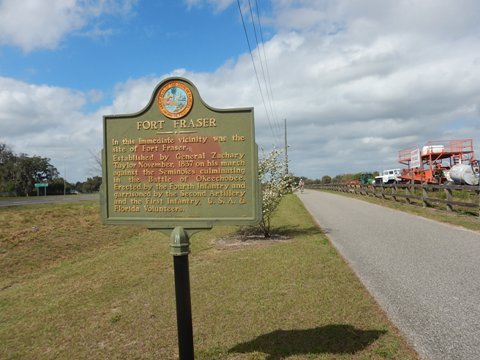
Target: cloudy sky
356,81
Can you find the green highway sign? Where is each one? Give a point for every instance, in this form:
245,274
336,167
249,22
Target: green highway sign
180,162
37,185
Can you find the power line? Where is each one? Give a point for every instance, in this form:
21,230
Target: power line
268,79
260,47
265,70
275,136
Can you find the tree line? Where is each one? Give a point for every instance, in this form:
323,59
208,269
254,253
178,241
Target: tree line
20,172
340,179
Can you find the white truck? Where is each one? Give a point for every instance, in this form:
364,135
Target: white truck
390,176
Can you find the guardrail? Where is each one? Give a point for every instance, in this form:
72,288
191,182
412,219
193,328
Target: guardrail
449,197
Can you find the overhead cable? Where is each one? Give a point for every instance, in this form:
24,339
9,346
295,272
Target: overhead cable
275,136
268,80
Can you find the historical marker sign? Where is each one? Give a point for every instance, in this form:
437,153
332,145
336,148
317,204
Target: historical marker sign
180,162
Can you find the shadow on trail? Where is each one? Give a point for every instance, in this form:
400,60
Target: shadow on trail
332,339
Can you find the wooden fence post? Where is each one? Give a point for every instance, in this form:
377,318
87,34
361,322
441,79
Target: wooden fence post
408,192
478,195
424,195
395,191
448,192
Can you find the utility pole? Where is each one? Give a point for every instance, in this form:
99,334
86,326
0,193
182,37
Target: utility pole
64,176
286,148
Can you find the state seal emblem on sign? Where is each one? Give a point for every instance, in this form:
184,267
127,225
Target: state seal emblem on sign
175,100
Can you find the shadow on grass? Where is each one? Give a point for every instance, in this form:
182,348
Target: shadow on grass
333,339
286,231
292,230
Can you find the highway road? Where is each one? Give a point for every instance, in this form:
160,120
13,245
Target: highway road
45,199
424,274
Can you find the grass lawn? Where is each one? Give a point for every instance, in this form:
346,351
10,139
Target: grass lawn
72,288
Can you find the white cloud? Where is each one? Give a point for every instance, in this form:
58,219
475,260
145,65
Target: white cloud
218,5
370,18
350,105
37,24
357,81
28,109
50,122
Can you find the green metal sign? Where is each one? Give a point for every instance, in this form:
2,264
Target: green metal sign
38,185
180,162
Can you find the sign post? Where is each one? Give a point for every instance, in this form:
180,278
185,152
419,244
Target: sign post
179,246
39,185
180,166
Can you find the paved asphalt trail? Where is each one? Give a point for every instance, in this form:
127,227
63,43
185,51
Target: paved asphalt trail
424,274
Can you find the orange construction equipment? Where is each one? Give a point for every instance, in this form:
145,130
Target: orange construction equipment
431,163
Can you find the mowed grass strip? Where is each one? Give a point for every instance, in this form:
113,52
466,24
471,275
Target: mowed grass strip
35,237
293,298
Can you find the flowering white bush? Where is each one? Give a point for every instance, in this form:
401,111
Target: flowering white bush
275,183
